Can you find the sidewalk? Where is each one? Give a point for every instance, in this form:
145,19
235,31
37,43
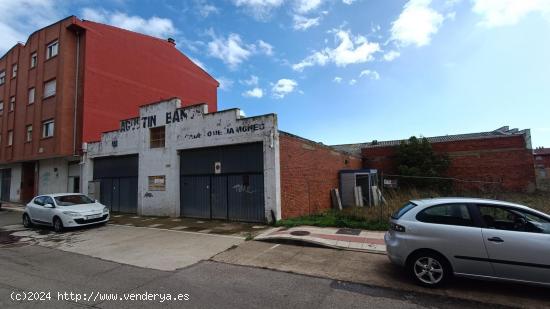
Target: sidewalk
12,206
339,238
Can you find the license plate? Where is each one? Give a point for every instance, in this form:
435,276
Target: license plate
93,216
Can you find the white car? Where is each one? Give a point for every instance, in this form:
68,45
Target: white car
64,210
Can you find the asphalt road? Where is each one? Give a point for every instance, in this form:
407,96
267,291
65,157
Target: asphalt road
49,276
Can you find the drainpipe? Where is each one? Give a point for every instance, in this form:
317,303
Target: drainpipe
76,90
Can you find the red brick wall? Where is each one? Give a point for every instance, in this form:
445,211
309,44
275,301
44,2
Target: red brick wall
504,159
308,172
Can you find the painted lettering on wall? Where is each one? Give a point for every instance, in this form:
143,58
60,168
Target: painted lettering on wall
129,124
176,116
227,131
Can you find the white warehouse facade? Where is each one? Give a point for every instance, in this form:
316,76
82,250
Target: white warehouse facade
174,161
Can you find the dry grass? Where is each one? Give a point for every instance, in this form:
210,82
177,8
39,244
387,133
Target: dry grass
376,218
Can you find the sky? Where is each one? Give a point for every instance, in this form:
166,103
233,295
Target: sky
346,71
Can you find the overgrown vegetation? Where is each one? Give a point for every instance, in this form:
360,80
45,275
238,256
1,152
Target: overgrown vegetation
376,218
415,158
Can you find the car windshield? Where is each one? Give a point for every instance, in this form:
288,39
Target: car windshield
76,199
399,213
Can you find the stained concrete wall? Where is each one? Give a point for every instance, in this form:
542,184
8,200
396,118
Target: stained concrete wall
186,128
52,176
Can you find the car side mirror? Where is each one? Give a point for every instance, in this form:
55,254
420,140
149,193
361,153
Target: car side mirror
48,206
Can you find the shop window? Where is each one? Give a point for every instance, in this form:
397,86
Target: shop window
52,49
157,137
49,88
31,95
47,128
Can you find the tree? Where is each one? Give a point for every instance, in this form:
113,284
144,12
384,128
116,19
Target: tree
416,158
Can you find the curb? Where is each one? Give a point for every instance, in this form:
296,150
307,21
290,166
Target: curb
13,208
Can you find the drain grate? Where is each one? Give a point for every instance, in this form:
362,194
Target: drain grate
349,231
299,233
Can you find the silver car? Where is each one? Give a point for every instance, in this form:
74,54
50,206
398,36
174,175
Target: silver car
435,239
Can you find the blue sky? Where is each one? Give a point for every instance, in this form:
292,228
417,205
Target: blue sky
344,71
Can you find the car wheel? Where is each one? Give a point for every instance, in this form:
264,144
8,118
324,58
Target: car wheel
429,269
27,221
57,225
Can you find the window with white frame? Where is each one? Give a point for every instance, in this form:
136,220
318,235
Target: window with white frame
34,60
49,88
28,137
32,92
12,104
14,70
10,137
52,49
2,77
47,128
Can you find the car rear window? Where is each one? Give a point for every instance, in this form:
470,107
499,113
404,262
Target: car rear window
403,210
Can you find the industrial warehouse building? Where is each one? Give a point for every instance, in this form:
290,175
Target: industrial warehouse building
71,81
184,161
503,157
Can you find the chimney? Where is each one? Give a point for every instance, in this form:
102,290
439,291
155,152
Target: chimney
171,41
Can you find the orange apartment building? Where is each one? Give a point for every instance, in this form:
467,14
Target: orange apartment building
73,80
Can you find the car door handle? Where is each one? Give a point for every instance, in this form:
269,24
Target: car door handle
495,239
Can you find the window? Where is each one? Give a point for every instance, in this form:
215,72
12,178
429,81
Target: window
48,200
70,200
47,128
14,70
12,104
2,77
29,133
52,49
31,95
34,60
157,137
451,214
1,107
49,88
10,137
398,214
512,219
538,158
39,201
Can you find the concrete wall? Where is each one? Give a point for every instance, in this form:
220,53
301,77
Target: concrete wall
194,128
52,175
15,188
309,171
507,159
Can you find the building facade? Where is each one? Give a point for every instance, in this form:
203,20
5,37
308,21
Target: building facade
187,161
71,81
542,168
503,156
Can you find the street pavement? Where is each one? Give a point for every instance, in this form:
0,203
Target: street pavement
300,277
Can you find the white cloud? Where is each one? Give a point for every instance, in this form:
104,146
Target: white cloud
496,13
337,79
265,47
416,24
252,81
348,2
20,18
371,74
259,9
304,23
305,6
254,93
225,83
351,49
205,9
231,50
154,26
283,87
391,55
353,82
198,62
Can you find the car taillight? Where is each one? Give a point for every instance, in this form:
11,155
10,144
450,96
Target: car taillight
397,227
